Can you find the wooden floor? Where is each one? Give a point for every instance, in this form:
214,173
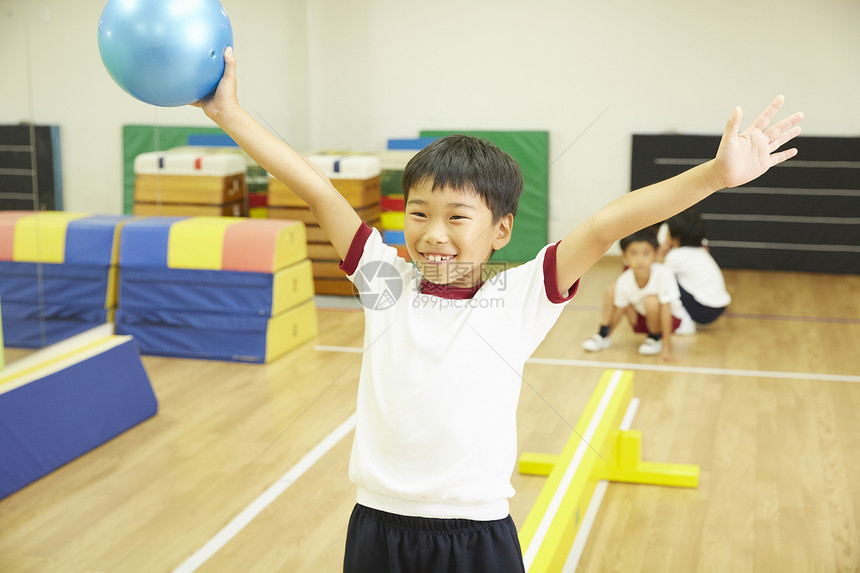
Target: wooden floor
778,444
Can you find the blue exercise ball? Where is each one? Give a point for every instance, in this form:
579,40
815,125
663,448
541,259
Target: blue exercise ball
165,52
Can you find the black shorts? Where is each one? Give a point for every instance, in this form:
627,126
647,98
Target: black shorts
700,313
380,542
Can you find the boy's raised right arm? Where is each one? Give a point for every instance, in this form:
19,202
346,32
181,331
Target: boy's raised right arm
334,214
741,157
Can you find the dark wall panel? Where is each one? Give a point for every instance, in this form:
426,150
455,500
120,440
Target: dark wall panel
30,177
802,215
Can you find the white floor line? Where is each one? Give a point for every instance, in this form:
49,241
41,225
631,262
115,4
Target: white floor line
590,516
351,349
698,370
659,367
585,527
267,497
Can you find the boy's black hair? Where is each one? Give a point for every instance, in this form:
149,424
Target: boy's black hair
641,236
688,227
468,163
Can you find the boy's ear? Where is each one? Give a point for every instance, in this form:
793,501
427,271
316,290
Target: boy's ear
503,231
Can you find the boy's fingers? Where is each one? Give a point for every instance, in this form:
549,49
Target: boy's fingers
767,115
776,158
784,125
734,123
229,62
784,137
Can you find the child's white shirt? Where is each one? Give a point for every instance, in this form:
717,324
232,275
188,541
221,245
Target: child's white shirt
440,381
661,283
699,275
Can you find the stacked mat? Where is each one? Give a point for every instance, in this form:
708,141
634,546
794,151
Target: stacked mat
356,177
190,182
2,354
216,287
57,274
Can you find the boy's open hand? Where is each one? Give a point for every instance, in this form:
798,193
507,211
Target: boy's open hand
744,156
224,97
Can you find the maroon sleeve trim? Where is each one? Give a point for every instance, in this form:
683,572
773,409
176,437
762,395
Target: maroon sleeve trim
550,278
356,248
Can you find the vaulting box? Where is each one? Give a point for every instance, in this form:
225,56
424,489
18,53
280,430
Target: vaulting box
234,209
356,178
189,177
190,181
357,192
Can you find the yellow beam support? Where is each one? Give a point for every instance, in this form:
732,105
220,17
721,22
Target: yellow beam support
629,467
596,450
550,528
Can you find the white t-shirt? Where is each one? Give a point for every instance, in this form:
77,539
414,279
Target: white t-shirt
440,379
699,275
662,284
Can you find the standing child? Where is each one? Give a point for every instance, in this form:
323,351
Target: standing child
647,294
700,281
435,439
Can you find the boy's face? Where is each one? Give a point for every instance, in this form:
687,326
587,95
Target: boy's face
450,233
638,256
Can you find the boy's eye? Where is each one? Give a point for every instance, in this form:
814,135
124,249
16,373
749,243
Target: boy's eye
417,214
458,217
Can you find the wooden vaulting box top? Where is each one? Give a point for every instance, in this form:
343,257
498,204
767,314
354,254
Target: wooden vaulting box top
189,162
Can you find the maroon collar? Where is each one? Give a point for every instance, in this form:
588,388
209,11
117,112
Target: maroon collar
448,291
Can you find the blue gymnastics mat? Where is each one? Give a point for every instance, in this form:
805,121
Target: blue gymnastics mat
62,402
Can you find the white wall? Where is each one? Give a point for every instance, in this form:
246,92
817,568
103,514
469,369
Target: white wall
52,74
341,74
386,68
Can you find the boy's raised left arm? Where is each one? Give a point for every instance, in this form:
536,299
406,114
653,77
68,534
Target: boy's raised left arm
740,158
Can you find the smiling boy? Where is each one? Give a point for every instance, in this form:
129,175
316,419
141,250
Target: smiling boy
450,233
435,438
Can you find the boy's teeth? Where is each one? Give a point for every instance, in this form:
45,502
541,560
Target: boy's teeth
436,258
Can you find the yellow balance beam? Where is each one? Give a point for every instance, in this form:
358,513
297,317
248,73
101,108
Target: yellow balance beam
597,449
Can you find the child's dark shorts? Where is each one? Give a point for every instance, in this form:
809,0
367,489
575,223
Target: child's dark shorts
700,313
380,542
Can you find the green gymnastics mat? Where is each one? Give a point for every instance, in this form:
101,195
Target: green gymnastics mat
531,150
